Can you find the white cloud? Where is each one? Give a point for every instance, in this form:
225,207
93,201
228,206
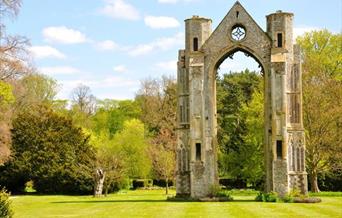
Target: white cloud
161,22
173,1
107,82
41,52
120,68
110,87
299,31
106,87
168,1
115,81
59,70
167,65
157,45
64,35
119,9
107,45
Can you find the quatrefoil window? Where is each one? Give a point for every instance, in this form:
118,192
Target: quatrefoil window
238,32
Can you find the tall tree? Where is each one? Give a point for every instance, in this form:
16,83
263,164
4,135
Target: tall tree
49,150
163,163
13,62
34,89
322,94
110,166
158,100
239,125
134,146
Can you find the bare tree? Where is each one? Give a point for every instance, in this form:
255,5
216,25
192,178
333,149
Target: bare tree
14,56
83,99
10,8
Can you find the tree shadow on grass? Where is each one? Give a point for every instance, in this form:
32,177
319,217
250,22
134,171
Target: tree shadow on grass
110,201
144,201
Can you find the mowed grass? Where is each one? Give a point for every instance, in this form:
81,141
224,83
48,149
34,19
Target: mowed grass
153,204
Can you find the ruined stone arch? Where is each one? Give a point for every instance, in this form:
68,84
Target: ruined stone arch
226,52
197,124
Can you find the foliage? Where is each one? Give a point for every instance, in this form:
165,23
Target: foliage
5,205
6,95
141,183
240,125
111,115
330,181
216,191
83,100
134,145
267,197
163,163
322,89
51,152
158,102
34,89
292,195
243,192
109,161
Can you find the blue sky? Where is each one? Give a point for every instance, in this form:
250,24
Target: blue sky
111,45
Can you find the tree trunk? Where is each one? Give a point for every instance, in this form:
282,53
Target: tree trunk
100,176
106,189
314,183
167,186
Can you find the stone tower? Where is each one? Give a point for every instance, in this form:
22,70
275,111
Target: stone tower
279,58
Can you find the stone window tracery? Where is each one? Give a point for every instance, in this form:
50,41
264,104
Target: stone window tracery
238,32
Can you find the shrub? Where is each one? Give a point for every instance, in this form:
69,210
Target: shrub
141,183
5,205
267,197
215,191
162,182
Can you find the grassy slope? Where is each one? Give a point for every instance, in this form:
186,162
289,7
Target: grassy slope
153,204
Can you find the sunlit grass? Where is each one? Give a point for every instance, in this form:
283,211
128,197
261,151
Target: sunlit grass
145,203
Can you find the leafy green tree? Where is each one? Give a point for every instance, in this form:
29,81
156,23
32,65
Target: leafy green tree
34,89
158,102
253,154
322,92
134,146
239,105
110,167
49,150
111,115
163,163
322,74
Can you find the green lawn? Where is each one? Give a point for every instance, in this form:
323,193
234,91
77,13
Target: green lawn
153,204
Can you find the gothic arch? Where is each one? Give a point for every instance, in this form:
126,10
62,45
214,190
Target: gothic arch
226,52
